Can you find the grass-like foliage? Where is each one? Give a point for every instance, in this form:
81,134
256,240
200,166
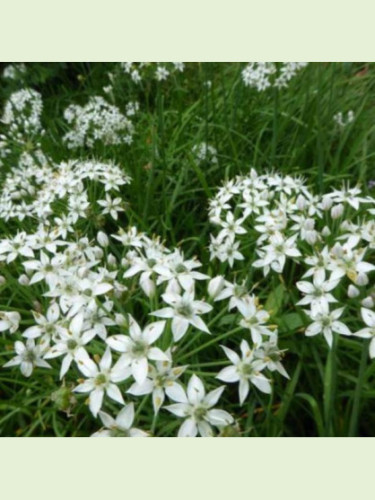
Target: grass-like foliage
187,249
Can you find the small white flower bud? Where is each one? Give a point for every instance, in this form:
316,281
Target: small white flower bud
120,320
353,291
112,261
309,224
337,211
301,202
311,237
362,279
102,239
368,302
326,231
2,280
326,203
98,252
215,286
23,280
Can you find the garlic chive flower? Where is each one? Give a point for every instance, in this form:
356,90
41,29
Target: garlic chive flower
197,408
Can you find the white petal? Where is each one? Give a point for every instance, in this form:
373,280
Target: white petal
157,354
188,429
76,324
219,417
114,393
368,316
139,370
107,420
213,397
153,331
106,361
243,390
96,400
179,328
228,374
126,416
176,393
195,390
178,409
340,328
231,355
262,383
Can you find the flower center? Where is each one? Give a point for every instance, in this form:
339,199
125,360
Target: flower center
71,344
100,379
199,413
185,310
29,356
139,349
180,268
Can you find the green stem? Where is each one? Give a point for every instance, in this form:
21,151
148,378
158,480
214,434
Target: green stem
330,387
213,341
353,425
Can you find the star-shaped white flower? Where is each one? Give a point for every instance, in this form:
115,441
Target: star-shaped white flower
197,408
245,371
101,380
137,348
184,311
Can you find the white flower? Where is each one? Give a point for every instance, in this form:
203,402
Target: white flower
121,426
47,326
184,311
368,317
215,287
28,356
111,206
245,371
70,343
317,293
9,321
253,318
161,380
270,354
178,271
136,349
101,380
161,73
277,251
326,322
197,408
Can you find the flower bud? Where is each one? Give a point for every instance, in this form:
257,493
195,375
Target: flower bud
2,280
23,280
353,291
215,286
337,211
102,239
121,320
311,237
368,302
301,202
111,259
326,231
326,203
362,279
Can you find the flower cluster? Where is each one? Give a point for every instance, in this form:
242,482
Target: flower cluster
32,189
14,71
340,119
98,121
204,152
22,121
159,71
262,75
272,220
